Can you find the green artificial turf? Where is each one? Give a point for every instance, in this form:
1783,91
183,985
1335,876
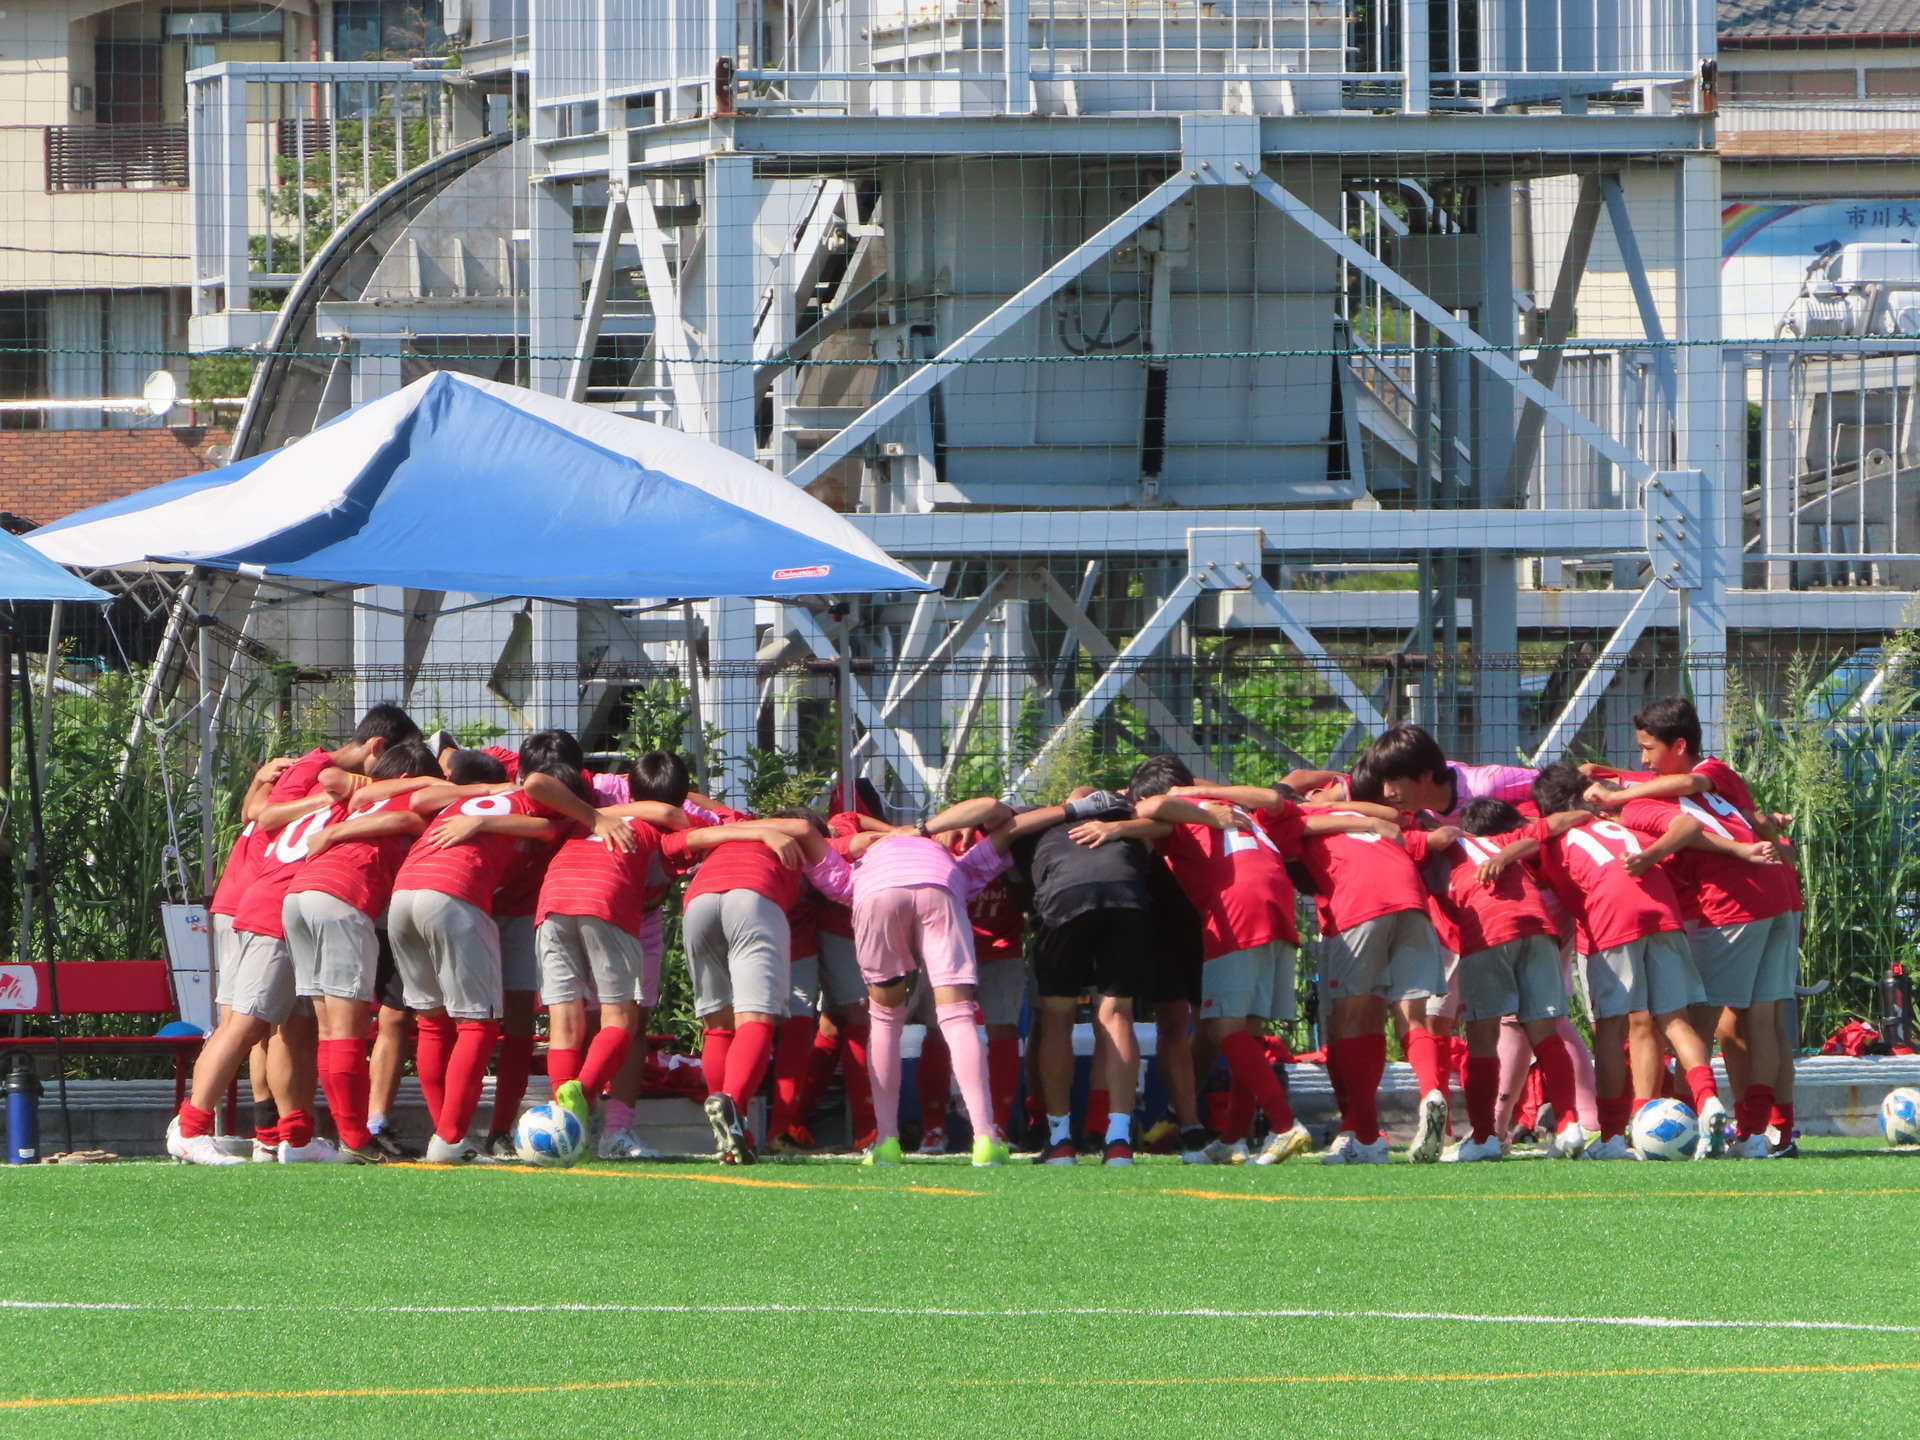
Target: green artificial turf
1039,1302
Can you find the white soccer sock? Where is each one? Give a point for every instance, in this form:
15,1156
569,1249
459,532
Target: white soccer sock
1119,1127
1059,1128
376,1123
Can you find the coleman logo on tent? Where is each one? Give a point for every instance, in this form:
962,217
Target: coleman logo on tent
802,572
19,988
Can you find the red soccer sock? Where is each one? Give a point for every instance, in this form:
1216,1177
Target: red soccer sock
1614,1113
1557,1075
1700,1084
1363,1061
747,1061
296,1128
1782,1120
563,1064
466,1072
1483,1094
853,1074
792,1060
1427,1056
194,1121
1099,1111
714,1047
432,1049
346,1082
1239,1111
1247,1062
933,1080
1756,1106
510,1071
605,1056
822,1060
1336,1076
1003,1076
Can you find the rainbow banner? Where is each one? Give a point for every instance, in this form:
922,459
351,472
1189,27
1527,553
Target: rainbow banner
1767,247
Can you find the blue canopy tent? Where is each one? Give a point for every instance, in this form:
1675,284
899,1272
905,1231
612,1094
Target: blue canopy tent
455,483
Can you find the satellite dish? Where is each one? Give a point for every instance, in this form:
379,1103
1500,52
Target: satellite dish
161,393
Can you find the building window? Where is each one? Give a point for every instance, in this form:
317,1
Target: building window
386,29
1794,85
1893,84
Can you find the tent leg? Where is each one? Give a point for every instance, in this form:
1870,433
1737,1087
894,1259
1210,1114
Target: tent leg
38,897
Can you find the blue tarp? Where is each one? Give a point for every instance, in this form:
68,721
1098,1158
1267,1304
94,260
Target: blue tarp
26,574
460,484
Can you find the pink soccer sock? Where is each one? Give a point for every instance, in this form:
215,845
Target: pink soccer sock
883,1066
605,1056
969,1054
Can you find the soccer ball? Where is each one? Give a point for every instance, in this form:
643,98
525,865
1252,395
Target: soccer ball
1665,1130
550,1135
1900,1116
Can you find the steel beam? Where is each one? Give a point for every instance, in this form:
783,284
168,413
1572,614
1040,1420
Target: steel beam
1546,369
1357,702
1595,682
914,775
1622,222
588,334
670,345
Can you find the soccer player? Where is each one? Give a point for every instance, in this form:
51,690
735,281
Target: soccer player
329,915
1744,918
1509,965
1414,775
261,996
1633,952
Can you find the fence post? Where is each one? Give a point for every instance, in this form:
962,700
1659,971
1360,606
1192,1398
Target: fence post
1017,56
1415,81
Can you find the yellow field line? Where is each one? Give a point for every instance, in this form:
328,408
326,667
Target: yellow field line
1545,1195
698,1178
162,1397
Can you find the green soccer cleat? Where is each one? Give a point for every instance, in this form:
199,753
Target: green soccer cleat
883,1152
988,1151
569,1096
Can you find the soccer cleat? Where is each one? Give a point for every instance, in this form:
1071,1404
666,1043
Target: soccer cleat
883,1152
1283,1145
1118,1152
1374,1152
731,1143
1753,1147
1336,1153
1614,1147
439,1152
1713,1131
626,1144
500,1145
570,1097
1219,1152
1061,1152
1787,1149
176,1142
1569,1143
1160,1137
803,1137
1429,1130
361,1155
200,1150
1469,1150
319,1150
388,1144
989,1151
264,1154
783,1144
1193,1147
934,1141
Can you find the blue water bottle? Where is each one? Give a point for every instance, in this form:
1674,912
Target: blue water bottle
23,1113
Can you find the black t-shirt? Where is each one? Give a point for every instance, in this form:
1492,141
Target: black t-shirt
1070,879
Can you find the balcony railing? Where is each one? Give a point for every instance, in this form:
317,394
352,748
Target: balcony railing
116,157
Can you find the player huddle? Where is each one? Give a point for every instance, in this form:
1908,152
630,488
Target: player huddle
454,892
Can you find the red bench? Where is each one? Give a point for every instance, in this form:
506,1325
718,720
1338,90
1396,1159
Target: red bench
100,987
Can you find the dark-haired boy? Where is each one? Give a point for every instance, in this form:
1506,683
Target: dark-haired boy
261,995
1744,918
1414,775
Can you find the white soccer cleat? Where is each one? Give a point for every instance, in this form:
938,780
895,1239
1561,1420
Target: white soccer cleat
439,1152
1195,1157
1429,1130
1218,1152
1469,1150
1614,1148
1713,1131
200,1150
625,1144
1569,1142
1283,1145
264,1154
1336,1153
1754,1147
934,1142
175,1142
317,1151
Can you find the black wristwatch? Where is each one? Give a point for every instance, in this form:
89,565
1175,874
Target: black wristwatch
925,834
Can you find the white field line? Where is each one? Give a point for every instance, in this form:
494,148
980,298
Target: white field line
1630,1322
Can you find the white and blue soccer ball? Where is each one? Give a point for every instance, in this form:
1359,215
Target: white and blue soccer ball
550,1136
1900,1116
1666,1130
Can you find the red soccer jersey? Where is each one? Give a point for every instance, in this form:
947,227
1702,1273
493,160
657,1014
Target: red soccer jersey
1728,785
1511,910
1583,868
519,892
359,872
509,759
1360,876
733,865
472,870
999,925
1237,879
282,854
1715,889
243,863
589,877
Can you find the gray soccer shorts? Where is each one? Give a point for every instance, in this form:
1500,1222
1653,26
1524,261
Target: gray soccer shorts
1396,956
336,950
1755,961
1257,981
262,977
1002,990
226,956
519,953
448,954
583,957
1519,978
737,943
1655,973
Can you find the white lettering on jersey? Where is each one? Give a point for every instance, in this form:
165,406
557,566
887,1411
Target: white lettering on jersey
1254,839
1706,816
1479,848
487,805
1587,839
1370,837
599,839
290,845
